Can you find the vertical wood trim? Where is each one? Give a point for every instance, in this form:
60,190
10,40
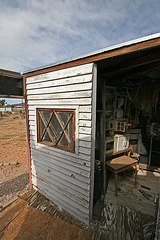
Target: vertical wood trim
28,143
24,86
93,137
38,126
103,152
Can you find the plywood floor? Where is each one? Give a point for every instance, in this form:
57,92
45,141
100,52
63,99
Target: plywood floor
131,214
22,221
142,197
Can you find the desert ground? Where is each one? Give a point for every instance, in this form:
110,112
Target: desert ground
14,178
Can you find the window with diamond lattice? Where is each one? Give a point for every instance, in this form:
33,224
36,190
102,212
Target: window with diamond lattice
56,128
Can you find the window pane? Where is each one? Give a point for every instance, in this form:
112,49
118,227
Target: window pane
64,116
46,115
57,127
70,129
46,137
63,141
41,126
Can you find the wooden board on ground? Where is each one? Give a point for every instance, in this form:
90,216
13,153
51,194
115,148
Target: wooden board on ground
119,223
11,212
21,221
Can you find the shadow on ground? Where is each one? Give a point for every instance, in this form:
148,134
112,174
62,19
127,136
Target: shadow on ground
14,185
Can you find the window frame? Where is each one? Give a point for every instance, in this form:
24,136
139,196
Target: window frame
50,144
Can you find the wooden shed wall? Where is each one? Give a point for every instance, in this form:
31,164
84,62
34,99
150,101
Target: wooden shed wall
62,176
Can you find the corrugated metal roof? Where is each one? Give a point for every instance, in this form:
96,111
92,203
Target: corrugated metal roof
111,48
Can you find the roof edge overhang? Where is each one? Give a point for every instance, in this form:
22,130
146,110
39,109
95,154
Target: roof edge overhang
11,84
115,50
11,74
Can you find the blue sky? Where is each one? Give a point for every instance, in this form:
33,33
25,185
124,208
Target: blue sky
34,33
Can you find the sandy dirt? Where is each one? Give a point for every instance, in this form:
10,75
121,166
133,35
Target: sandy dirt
14,179
13,143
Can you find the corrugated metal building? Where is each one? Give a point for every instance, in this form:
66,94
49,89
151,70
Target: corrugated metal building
66,103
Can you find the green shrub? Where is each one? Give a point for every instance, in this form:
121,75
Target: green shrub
14,117
7,114
16,113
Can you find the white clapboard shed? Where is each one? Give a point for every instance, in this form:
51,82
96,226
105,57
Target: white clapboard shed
65,110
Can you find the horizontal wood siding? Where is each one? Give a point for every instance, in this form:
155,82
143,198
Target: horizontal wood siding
62,176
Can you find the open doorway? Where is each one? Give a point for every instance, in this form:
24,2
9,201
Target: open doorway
14,174
128,119
128,110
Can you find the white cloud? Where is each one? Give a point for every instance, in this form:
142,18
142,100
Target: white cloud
38,32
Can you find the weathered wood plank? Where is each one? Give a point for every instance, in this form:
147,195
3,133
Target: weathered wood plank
31,131
32,138
84,156
69,183
83,123
64,73
30,108
61,89
66,95
31,117
77,185
58,165
83,143
81,164
66,172
32,127
75,162
32,123
40,173
31,112
85,109
61,82
84,150
75,196
85,130
85,116
61,102
85,137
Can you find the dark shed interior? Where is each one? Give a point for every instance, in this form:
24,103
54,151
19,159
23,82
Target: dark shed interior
128,109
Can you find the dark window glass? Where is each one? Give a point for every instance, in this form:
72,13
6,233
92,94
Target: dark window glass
56,128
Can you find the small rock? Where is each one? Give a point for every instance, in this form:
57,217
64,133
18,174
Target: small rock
1,164
6,164
14,163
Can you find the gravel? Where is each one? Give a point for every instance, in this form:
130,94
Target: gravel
14,180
